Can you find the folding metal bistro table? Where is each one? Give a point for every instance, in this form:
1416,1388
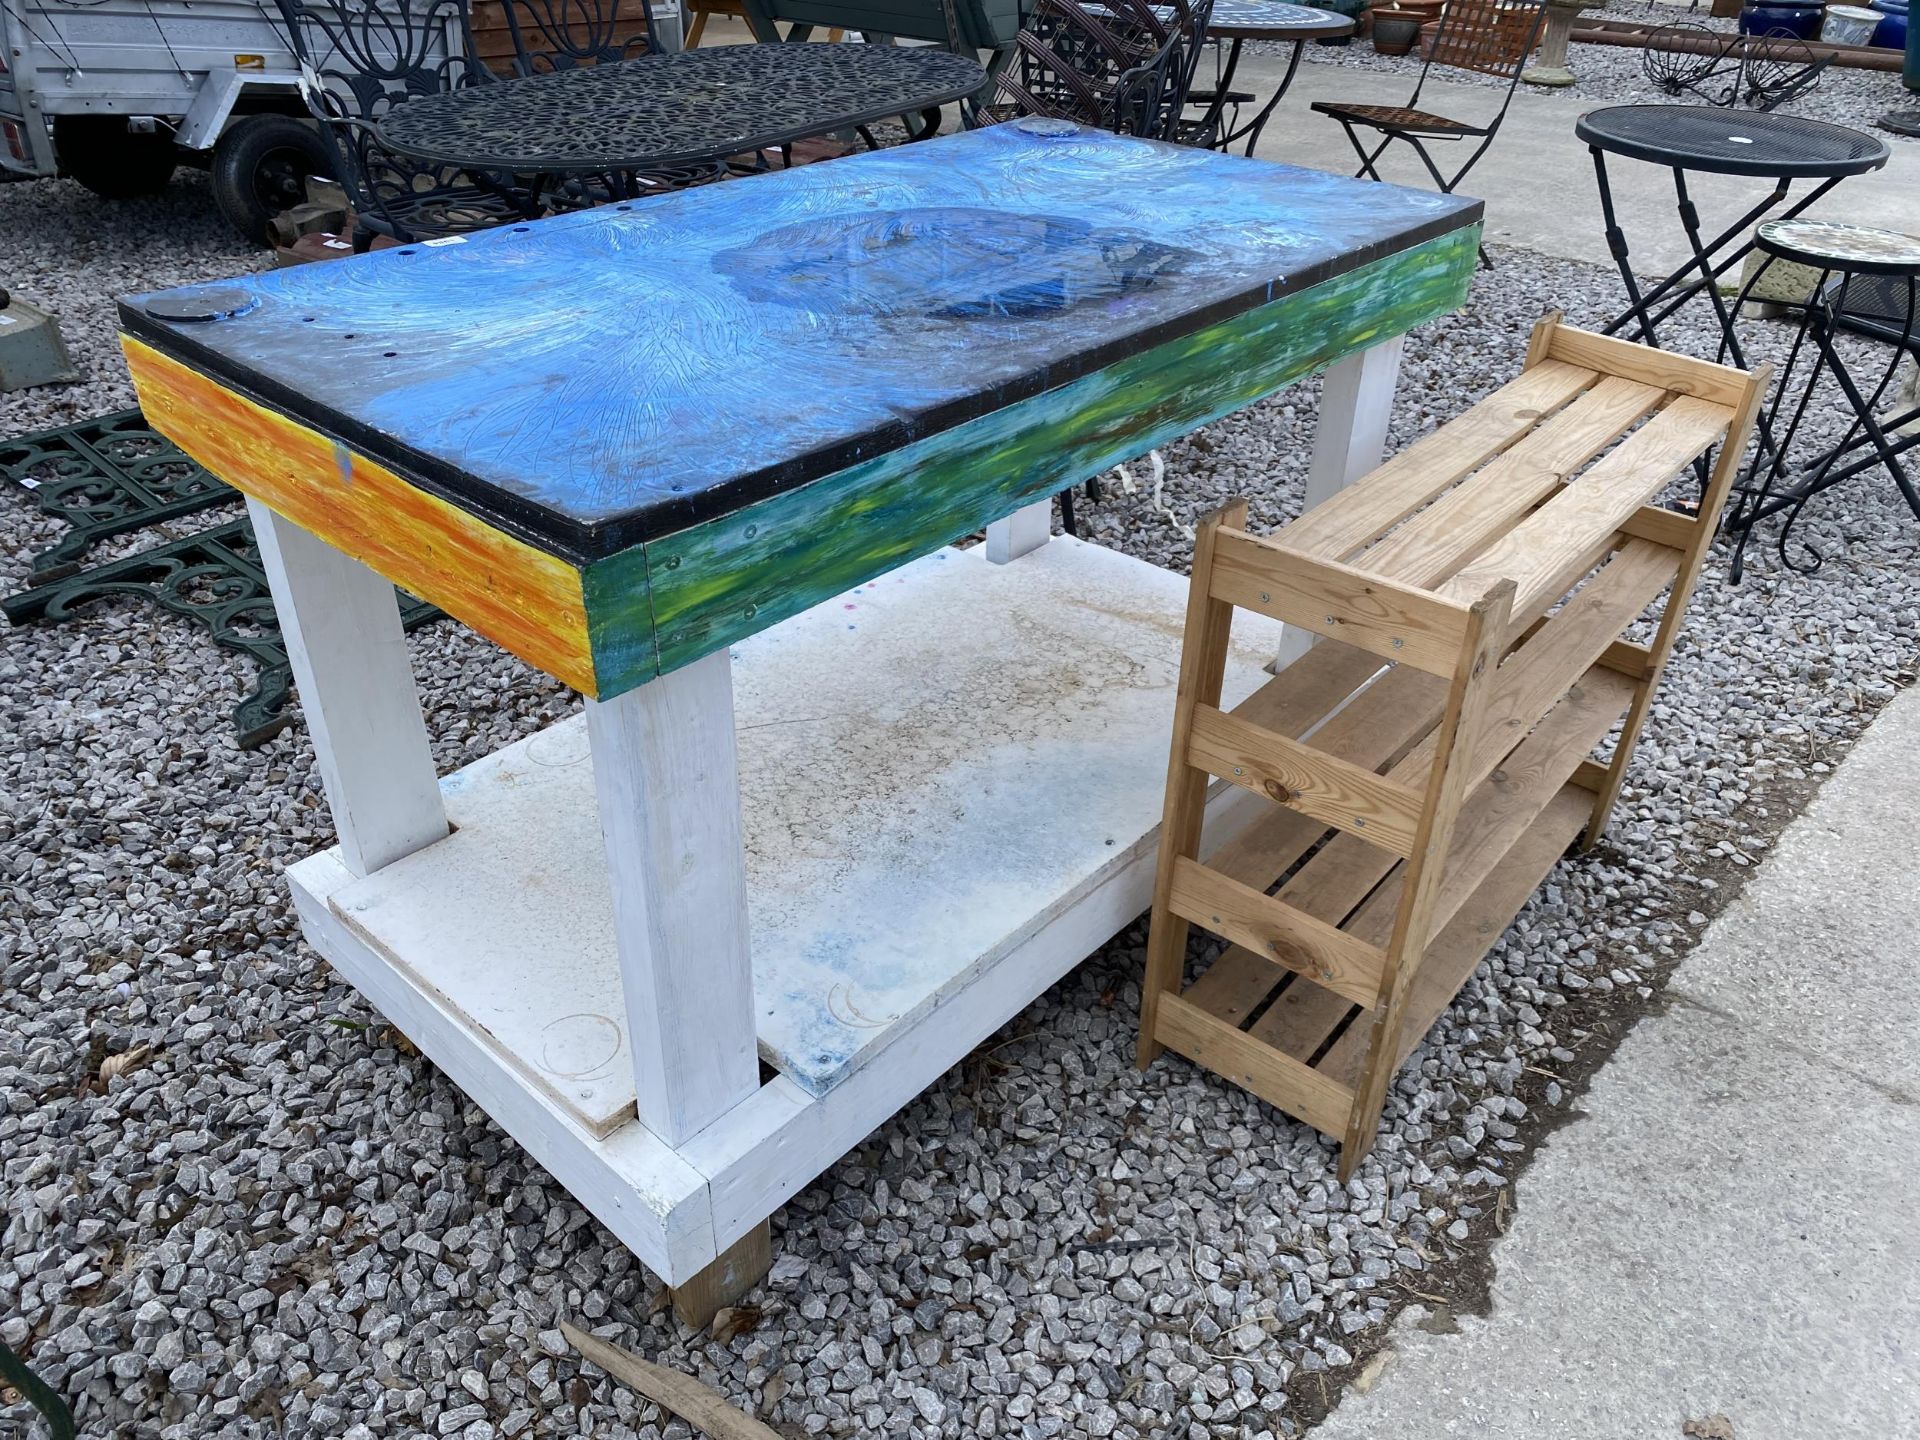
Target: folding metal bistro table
1238,21
844,798
1707,140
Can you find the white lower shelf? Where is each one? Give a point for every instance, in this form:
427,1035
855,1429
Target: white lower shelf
951,781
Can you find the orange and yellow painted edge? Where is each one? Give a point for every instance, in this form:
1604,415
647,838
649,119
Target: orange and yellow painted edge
522,598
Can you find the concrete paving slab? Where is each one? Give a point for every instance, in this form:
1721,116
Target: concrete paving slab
1819,954
1728,1230
1538,179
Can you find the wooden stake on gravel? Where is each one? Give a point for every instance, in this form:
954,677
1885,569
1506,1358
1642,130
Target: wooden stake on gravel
697,1404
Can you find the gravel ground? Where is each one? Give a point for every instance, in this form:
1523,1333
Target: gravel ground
1612,75
283,1222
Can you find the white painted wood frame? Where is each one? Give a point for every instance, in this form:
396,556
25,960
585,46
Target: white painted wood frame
341,625
666,771
677,1209
1020,533
1349,439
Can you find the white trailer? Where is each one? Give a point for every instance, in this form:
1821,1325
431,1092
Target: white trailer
117,93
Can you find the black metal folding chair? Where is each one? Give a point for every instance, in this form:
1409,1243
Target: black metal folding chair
1487,37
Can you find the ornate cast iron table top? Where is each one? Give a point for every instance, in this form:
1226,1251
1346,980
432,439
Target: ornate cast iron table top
674,108
597,379
1708,139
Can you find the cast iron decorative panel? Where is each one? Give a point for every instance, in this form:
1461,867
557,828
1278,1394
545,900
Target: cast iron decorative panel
104,477
213,577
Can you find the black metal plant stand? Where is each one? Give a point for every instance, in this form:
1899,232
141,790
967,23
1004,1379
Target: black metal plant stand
215,578
104,477
1849,259
1765,71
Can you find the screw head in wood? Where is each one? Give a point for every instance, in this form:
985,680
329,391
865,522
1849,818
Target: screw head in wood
1398,642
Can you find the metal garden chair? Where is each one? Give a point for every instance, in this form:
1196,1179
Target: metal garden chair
1116,64
561,34
1484,36
360,58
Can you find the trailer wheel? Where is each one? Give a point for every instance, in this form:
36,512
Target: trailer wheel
260,167
112,161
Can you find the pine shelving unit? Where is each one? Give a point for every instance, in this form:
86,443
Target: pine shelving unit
1431,765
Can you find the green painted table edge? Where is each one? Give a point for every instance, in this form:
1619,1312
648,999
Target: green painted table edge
665,604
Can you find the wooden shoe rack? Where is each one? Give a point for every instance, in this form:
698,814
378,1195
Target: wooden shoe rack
1430,758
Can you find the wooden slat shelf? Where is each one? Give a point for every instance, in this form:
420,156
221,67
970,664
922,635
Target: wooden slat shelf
1326,1032
1430,768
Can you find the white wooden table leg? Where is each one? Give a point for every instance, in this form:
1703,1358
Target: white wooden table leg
349,655
666,771
1349,439
1025,530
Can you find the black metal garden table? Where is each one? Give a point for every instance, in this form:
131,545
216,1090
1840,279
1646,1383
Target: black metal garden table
674,109
1705,139
1239,21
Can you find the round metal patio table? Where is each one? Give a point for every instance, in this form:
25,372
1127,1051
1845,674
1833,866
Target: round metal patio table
1706,139
677,108
1239,21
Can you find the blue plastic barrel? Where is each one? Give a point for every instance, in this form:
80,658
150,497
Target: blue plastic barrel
1891,32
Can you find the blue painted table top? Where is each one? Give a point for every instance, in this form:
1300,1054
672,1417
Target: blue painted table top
602,378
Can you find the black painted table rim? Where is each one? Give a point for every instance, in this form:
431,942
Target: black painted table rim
927,77
1614,129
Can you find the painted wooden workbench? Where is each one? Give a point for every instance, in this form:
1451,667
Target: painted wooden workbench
723,441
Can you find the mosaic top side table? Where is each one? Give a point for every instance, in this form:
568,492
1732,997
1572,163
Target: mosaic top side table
844,799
